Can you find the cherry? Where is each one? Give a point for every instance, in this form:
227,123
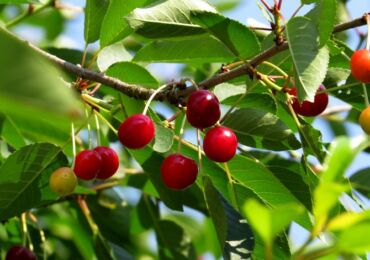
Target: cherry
178,171
364,120
308,108
63,181
87,164
203,109
136,131
20,252
360,65
220,144
110,162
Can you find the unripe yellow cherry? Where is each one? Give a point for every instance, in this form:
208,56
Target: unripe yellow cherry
364,120
63,181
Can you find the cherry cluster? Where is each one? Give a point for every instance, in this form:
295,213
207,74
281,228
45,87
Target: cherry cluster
179,171
101,163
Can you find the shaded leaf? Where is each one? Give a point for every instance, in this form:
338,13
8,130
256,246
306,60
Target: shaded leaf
361,181
260,129
94,15
163,139
112,54
28,184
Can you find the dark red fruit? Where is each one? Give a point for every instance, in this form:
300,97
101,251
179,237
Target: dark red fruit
178,171
110,162
220,144
87,164
307,108
20,253
136,131
360,65
203,109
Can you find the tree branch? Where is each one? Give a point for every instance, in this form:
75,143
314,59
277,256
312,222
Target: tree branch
175,96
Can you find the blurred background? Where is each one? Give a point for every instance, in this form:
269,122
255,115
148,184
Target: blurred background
65,29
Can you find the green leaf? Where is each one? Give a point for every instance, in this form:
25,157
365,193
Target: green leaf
102,248
112,54
168,19
312,141
310,61
234,234
324,15
11,134
28,184
268,223
132,73
94,15
361,181
163,139
238,38
261,129
174,242
203,49
226,90
261,101
348,219
30,83
225,5
340,156
114,27
355,239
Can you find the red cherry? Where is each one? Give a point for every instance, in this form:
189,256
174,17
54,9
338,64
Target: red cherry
87,164
203,109
110,162
178,171
220,144
20,252
308,108
136,131
360,65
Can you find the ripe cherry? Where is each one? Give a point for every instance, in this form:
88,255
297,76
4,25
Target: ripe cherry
136,131
63,181
20,252
360,65
203,109
307,108
178,171
110,162
364,120
87,164
220,144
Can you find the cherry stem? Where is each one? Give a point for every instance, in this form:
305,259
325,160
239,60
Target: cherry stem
181,134
73,144
24,229
366,96
367,17
231,187
296,11
338,88
106,121
266,5
92,61
264,78
277,68
97,129
96,103
152,97
84,55
86,212
174,116
89,135
199,153
33,218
